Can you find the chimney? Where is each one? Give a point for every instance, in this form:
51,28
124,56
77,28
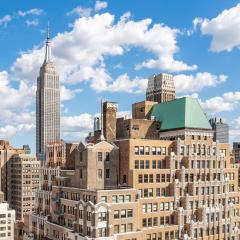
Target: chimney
109,120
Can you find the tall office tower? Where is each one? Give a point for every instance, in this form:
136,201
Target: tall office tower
221,130
7,219
160,88
47,104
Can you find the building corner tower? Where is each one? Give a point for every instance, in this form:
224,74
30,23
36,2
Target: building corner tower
47,103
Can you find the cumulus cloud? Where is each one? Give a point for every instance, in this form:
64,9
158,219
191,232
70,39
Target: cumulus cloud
10,130
80,53
224,29
80,11
225,103
195,83
99,5
68,94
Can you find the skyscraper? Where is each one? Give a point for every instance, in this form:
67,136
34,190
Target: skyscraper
160,88
47,103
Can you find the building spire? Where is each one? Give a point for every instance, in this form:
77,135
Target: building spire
48,46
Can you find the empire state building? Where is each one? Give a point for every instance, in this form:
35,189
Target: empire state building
47,103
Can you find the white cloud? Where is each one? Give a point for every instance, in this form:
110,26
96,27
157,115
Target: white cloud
10,130
236,122
80,11
80,53
99,5
195,83
124,84
5,20
224,29
225,103
68,94
33,11
33,22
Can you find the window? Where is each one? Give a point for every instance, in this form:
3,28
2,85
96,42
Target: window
80,173
123,213
144,222
107,156
107,173
103,198
151,178
121,199
153,150
147,164
114,199
158,151
141,164
102,216
145,178
159,164
130,213
127,198
116,214
124,178
154,164
100,156
147,150
102,232
182,150
99,173
136,150
116,228
123,228
136,164
129,227
144,208
158,178
140,178
164,151
141,150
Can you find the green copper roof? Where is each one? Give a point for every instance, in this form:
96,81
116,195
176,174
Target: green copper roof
183,112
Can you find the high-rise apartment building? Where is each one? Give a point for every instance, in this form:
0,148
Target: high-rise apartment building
6,152
47,104
221,130
160,88
23,182
7,219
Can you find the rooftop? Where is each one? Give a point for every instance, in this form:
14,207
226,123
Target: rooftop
180,113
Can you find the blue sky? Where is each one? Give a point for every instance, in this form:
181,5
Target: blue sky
108,49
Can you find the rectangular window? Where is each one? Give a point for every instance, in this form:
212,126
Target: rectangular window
154,164
141,150
123,213
140,178
159,164
99,173
116,228
107,173
121,198
100,156
154,151
145,178
158,151
130,213
114,199
141,164
127,198
136,164
158,178
147,164
116,214
151,178
147,150
107,156
129,227
163,151
136,150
